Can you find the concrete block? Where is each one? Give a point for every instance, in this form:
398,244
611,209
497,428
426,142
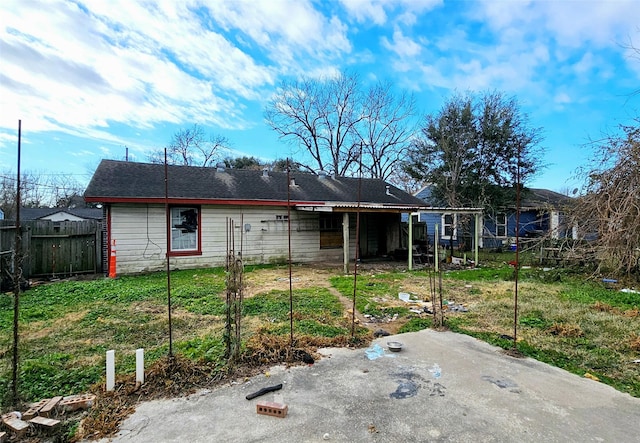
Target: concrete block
45,422
75,402
35,409
48,409
273,409
3,437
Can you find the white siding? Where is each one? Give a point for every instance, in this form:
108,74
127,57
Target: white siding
139,232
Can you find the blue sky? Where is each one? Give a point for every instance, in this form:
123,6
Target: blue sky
89,78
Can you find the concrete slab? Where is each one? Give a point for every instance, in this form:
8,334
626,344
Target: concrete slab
479,395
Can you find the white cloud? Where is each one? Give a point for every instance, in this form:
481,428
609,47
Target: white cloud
402,45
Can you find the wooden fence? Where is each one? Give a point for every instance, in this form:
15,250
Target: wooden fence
52,249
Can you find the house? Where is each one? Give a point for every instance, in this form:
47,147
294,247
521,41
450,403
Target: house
320,212
457,227
60,214
1,214
541,214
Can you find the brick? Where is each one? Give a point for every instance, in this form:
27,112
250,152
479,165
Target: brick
43,421
273,409
35,409
49,408
75,402
12,422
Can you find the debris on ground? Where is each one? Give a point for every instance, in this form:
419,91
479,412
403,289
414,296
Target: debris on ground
49,418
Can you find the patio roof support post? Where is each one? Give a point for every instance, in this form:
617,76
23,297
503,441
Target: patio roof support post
476,243
345,241
410,242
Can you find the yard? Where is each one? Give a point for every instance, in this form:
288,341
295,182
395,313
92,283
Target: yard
66,327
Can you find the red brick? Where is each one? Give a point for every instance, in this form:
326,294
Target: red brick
12,422
273,409
75,402
35,409
48,409
46,422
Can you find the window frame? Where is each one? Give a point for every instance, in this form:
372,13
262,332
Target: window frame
175,252
453,226
504,225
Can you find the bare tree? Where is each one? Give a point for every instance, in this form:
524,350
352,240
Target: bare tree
333,121
192,147
384,132
320,116
608,214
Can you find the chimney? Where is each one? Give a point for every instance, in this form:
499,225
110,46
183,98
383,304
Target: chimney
389,192
220,167
265,172
293,182
322,175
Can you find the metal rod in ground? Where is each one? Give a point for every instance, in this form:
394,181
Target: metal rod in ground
355,260
517,265
168,222
289,261
17,277
440,291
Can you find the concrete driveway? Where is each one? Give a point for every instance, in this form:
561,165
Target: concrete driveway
478,395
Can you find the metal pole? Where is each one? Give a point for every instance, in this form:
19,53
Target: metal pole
357,253
168,223
17,276
517,266
289,236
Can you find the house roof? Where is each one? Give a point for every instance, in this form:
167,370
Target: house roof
119,181
38,213
536,198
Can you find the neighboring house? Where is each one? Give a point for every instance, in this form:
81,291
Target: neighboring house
541,214
455,226
1,214
60,214
202,201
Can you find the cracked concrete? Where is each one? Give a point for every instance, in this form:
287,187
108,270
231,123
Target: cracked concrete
478,395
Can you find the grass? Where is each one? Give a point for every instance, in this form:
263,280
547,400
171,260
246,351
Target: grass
66,327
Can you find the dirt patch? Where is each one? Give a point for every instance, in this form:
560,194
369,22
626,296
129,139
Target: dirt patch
277,279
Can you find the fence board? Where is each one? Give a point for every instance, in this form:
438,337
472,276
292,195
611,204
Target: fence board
52,248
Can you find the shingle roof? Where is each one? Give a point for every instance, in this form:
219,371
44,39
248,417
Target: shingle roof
38,213
535,198
128,181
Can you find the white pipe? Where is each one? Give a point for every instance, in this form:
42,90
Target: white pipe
111,370
140,366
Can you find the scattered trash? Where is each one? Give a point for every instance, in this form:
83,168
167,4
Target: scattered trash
394,346
326,436
380,333
591,377
404,296
635,361
468,286
372,429
456,307
374,352
609,280
630,291
435,370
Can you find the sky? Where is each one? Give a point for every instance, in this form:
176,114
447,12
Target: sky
97,79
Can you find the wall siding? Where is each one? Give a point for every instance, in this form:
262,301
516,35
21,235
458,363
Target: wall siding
139,232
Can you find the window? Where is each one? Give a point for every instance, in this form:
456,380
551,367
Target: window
501,225
185,235
449,230
330,230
